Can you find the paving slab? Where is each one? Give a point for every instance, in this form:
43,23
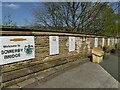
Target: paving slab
88,75
110,64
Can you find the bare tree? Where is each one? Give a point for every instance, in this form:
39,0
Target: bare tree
75,16
49,17
7,21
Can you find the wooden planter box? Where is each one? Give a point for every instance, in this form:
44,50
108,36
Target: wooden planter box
97,59
97,55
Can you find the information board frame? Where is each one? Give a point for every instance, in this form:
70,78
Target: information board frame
71,43
16,48
53,45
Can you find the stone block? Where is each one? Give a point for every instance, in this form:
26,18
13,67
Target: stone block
27,82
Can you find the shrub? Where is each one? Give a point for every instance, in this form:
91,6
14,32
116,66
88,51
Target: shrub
106,49
116,45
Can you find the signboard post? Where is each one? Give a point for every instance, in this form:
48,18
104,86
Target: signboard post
71,44
54,45
16,48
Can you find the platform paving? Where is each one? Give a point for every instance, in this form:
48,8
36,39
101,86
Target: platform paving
110,64
88,75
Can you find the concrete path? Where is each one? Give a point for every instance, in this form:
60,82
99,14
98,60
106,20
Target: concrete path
110,64
88,75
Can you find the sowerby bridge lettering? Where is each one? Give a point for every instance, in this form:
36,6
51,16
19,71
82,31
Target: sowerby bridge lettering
11,53
11,56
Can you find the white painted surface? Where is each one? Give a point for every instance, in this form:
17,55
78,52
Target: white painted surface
108,41
71,44
54,45
96,42
116,40
14,49
113,41
103,41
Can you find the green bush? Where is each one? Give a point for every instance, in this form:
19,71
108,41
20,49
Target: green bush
106,49
117,46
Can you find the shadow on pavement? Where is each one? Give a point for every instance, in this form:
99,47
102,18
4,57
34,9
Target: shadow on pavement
110,64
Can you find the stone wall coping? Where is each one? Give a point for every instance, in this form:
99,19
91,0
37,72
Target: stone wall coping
36,32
